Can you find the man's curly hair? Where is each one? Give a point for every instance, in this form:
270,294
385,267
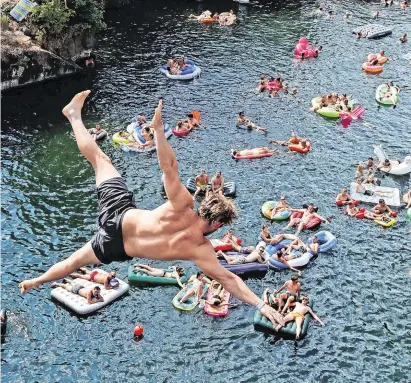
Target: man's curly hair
217,208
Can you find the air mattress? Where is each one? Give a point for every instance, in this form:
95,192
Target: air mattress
191,303
140,278
393,200
217,311
373,31
219,244
244,268
79,304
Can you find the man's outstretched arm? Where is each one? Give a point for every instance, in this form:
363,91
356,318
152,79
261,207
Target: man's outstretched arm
207,261
177,194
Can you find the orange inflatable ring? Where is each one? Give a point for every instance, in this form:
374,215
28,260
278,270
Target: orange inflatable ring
381,59
295,140
299,148
207,20
372,68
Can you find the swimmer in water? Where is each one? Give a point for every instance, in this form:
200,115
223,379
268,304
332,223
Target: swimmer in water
331,15
403,38
404,4
244,120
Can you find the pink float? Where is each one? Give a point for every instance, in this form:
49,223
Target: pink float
304,48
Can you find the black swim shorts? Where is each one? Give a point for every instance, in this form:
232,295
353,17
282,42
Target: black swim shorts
114,200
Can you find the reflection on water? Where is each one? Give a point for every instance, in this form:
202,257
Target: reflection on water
49,209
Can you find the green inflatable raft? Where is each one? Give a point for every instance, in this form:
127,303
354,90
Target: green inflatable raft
263,324
387,95
140,278
191,303
326,111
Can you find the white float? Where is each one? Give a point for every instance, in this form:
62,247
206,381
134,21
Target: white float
397,168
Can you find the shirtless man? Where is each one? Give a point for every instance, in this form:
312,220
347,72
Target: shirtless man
244,120
298,315
308,213
302,248
281,205
229,238
282,257
369,165
381,208
217,183
191,121
292,293
384,166
109,280
252,152
256,256
353,210
201,182
177,273
91,295
343,198
172,231
96,132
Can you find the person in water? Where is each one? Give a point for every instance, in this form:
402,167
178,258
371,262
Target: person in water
385,166
403,38
292,292
177,273
197,286
353,210
217,183
343,198
281,205
109,280
230,239
244,120
182,127
298,315
97,132
404,4
255,256
92,295
201,183
173,231
308,214
191,121
369,165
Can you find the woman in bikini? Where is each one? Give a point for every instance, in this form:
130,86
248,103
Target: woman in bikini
177,273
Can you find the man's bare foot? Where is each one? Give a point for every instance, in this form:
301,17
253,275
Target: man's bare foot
25,286
54,284
73,109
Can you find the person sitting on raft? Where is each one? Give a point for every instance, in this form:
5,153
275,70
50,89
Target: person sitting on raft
273,302
353,210
359,173
282,257
109,280
217,183
196,288
266,236
252,152
369,165
343,198
359,188
141,119
218,294
243,120
191,121
256,255
298,315
382,208
281,205
202,181
229,239
177,273
302,248
96,132
308,214
384,166
75,287
150,142
205,15
292,293
182,127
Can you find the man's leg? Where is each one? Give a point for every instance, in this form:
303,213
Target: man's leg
300,227
63,285
196,192
82,257
287,304
298,322
189,293
81,276
103,168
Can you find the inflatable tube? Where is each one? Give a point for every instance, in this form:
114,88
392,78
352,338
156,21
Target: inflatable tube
393,200
245,268
386,224
126,148
300,261
188,73
326,240
327,111
372,68
263,324
304,47
219,244
3,321
140,278
312,223
182,133
269,206
376,56
238,156
79,304
299,148
272,86
230,188
387,95
217,311
100,136
396,167
191,303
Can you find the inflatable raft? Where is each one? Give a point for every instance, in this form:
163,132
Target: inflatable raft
251,267
230,188
79,304
393,200
239,156
267,208
387,95
188,73
217,311
191,303
140,278
263,324
373,31
312,223
389,223
397,168
328,111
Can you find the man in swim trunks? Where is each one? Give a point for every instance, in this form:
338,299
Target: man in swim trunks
217,183
197,283
177,272
308,214
298,315
302,248
282,257
109,280
244,120
92,295
172,231
381,208
353,210
292,293
256,256
343,198
201,182
230,239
